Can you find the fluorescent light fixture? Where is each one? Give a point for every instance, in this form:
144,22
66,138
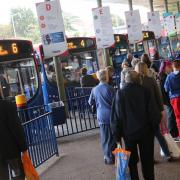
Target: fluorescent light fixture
68,67
88,57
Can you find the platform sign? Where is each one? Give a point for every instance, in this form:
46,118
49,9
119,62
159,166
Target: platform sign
169,23
51,28
134,26
177,19
103,27
154,23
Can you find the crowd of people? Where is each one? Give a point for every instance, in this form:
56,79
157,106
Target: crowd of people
147,96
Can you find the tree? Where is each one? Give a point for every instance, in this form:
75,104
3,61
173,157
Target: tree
5,31
116,20
25,24
70,22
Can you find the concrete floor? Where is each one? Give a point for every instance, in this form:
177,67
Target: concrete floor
82,160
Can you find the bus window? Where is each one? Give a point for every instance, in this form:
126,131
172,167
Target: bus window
20,78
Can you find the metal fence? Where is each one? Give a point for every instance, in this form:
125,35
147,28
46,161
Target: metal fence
40,134
80,118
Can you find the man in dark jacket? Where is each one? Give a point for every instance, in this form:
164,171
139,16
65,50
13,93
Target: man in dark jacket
87,80
12,140
133,119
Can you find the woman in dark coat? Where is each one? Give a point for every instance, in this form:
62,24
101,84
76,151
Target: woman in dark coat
151,84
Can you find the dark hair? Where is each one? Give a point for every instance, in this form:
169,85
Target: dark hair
51,68
84,71
145,59
176,64
156,56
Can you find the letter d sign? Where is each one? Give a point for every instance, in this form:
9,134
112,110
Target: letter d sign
48,7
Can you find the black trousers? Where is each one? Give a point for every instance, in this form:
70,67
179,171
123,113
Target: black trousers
172,126
145,144
16,169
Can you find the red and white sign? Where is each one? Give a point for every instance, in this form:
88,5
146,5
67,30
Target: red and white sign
134,26
154,23
51,28
103,27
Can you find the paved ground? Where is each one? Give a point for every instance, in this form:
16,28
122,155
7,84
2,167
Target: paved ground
82,160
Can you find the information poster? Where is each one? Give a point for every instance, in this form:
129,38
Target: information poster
51,28
177,19
154,23
103,27
169,23
134,26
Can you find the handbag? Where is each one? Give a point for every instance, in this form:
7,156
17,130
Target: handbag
122,159
29,170
172,145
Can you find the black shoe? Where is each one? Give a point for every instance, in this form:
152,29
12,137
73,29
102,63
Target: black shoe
156,162
110,162
169,159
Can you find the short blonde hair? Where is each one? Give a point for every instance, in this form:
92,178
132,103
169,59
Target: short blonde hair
102,75
141,68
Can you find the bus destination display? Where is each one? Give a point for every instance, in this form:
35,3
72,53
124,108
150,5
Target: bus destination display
80,43
148,35
15,48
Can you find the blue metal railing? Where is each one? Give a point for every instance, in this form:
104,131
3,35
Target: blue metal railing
40,134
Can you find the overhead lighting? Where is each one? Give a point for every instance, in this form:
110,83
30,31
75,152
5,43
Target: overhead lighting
68,67
88,57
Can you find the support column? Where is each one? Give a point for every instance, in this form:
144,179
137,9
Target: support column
130,5
59,77
166,5
151,5
178,7
99,2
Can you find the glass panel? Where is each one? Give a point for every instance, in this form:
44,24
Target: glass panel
18,77
71,67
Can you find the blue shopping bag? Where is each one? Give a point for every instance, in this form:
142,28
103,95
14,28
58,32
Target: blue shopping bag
122,160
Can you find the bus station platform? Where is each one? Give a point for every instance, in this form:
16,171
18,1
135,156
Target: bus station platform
81,159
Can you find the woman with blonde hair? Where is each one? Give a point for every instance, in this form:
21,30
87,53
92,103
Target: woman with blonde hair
151,85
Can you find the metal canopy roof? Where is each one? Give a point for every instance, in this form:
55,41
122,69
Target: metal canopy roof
158,4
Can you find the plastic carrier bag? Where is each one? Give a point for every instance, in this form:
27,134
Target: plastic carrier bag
122,159
29,170
172,145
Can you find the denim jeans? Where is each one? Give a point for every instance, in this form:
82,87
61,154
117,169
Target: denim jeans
107,141
162,142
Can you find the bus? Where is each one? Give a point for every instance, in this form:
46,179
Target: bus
81,53
148,45
18,71
119,51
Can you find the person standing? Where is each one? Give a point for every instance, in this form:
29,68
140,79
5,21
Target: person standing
135,123
12,140
150,83
102,96
87,80
110,71
172,87
129,59
165,69
125,69
151,72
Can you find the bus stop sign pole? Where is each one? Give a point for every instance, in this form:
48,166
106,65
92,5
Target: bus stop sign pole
106,55
59,76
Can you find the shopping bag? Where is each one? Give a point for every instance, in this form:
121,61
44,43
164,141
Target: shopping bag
172,145
29,170
122,159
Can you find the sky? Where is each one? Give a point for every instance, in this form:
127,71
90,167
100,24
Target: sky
80,8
